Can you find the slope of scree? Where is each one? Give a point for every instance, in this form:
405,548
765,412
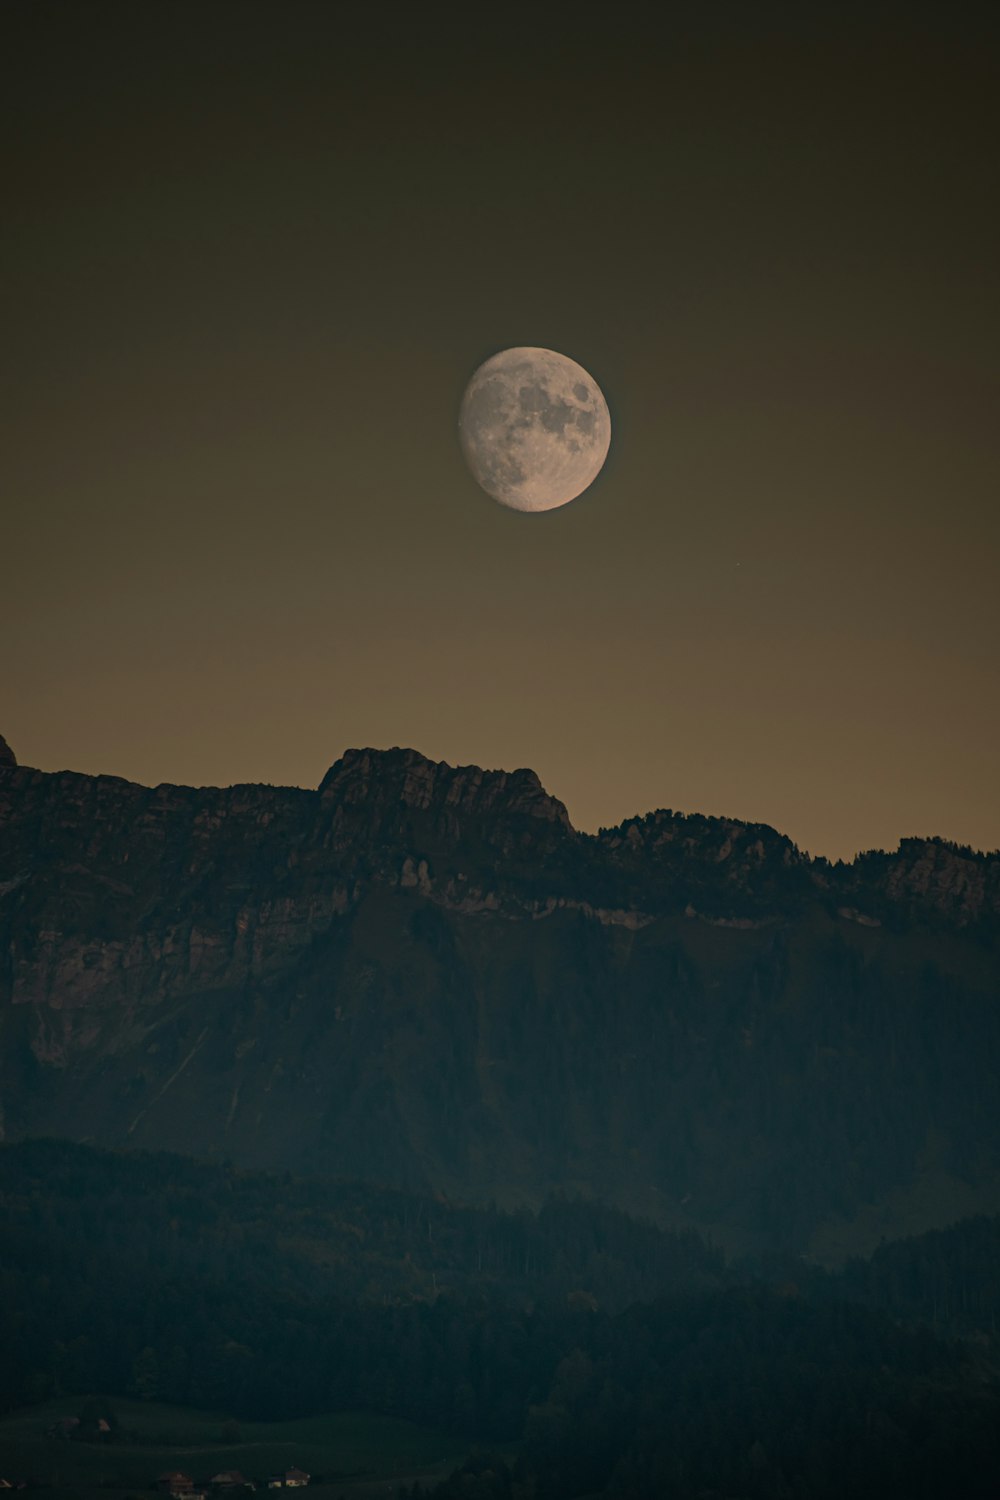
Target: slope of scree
424,976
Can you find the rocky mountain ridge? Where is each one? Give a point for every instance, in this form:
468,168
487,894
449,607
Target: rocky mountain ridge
425,975
373,803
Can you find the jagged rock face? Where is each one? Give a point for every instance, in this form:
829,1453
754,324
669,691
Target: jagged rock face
7,757
931,875
424,975
394,798
395,779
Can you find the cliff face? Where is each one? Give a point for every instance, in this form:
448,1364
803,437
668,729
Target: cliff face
422,974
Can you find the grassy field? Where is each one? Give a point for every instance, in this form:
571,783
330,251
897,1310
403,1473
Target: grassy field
354,1454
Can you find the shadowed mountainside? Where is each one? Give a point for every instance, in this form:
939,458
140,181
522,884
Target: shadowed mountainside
424,976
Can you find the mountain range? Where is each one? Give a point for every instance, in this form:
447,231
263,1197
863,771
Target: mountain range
424,977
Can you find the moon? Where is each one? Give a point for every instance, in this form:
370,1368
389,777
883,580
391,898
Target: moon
534,428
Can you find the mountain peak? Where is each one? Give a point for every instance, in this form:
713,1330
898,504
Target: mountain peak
7,757
413,780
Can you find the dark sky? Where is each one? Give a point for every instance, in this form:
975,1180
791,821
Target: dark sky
251,255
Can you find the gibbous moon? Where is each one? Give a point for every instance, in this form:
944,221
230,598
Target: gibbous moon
534,427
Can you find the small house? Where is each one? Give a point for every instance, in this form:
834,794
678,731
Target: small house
295,1479
177,1484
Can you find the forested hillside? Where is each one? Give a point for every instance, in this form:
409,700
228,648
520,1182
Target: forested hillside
151,1274
617,1357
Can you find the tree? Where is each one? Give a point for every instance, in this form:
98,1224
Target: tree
145,1381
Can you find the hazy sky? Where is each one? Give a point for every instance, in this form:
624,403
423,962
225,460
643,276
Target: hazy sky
253,252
